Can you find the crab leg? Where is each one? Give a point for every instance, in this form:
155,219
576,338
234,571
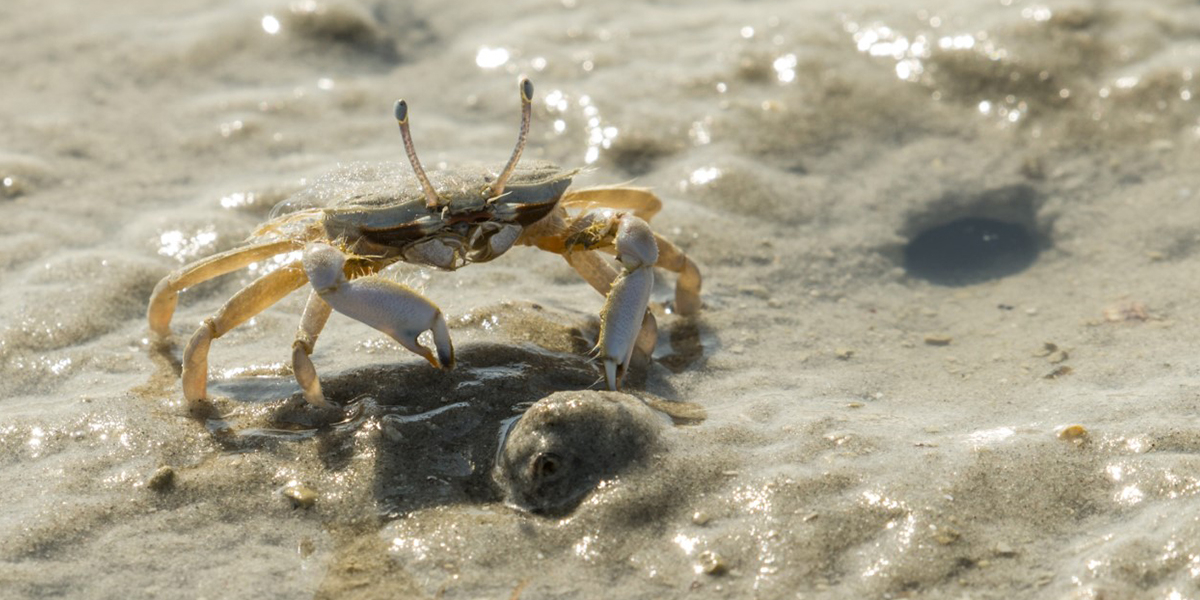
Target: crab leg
166,293
687,288
386,305
640,201
316,313
625,308
644,205
250,301
593,268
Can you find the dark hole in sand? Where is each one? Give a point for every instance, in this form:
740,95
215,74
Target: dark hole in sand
970,250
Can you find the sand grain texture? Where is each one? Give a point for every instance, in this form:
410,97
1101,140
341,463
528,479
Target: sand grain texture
798,147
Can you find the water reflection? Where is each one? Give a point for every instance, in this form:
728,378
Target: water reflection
185,247
912,55
900,529
985,437
599,135
491,58
270,24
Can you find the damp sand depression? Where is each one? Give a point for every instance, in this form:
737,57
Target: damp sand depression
947,346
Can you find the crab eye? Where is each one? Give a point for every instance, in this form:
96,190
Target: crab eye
546,465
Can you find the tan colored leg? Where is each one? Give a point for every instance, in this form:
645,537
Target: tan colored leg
648,336
593,268
641,202
166,293
316,313
250,301
687,288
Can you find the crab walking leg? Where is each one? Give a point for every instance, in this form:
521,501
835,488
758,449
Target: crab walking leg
647,335
593,268
687,288
640,201
250,301
166,293
625,308
386,305
316,313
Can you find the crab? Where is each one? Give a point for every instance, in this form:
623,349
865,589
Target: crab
469,217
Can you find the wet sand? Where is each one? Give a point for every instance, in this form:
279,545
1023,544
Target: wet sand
1018,429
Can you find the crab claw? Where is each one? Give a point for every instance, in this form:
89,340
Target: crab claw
386,305
625,308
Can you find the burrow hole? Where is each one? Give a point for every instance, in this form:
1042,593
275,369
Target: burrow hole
965,241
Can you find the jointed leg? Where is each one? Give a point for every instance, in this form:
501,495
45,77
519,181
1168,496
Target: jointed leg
593,268
624,316
166,293
687,288
316,313
250,301
625,323
598,202
641,202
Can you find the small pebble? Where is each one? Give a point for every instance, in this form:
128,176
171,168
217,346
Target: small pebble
306,547
301,495
1059,372
843,353
700,518
711,563
947,536
758,291
1075,434
938,340
162,479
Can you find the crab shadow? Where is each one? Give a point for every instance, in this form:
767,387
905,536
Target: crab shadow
434,435
440,431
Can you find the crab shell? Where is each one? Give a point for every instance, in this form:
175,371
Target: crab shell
470,227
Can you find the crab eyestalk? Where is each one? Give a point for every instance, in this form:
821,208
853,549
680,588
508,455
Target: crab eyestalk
431,196
526,112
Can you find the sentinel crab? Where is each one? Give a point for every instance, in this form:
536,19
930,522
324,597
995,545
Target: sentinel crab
469,217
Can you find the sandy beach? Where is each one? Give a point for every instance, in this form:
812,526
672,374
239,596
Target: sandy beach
947,346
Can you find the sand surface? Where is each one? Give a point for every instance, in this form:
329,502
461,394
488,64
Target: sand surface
860,431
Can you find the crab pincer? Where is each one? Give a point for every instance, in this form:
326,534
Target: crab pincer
625,307
388,306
